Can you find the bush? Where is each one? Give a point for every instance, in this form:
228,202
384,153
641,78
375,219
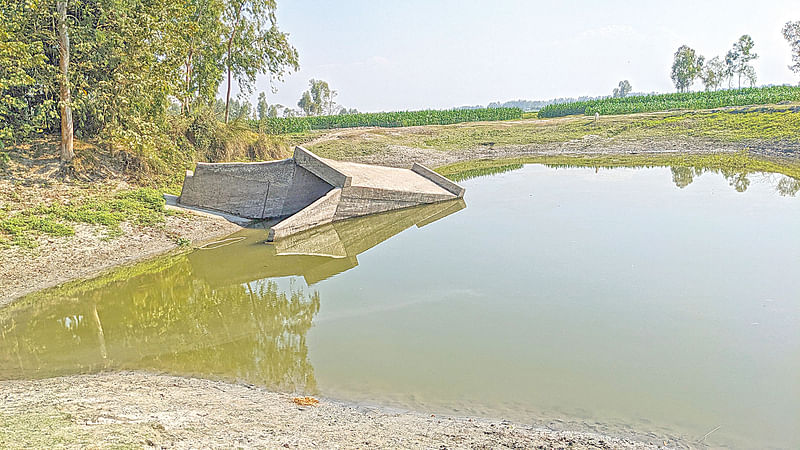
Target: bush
4,160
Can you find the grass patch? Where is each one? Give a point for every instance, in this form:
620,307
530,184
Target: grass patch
144,207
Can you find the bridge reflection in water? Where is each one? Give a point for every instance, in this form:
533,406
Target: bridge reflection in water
227,313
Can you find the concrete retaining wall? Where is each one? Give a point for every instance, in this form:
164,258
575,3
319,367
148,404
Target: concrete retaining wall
309,191
253,190
446,184
320,168
317,213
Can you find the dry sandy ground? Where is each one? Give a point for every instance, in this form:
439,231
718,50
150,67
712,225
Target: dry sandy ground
145,410
86,254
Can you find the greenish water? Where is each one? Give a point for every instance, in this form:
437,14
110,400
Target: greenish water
628,299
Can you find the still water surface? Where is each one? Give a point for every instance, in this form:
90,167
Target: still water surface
652,299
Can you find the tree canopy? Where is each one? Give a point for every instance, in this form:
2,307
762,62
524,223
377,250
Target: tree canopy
738,59
132,63
686,66
623,89
791,32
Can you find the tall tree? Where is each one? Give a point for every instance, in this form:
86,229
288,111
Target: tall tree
254,45
686,66
67,153
262,108
739,57
791,31
306,104
318,99
201,36
712,74
624,89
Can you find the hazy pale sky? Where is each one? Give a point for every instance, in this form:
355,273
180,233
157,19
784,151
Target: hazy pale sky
416,54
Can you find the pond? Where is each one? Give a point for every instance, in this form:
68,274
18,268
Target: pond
665,301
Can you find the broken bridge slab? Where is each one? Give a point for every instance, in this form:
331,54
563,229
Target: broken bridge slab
307,191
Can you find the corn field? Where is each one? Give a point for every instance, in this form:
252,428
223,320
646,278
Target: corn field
666,102
284,125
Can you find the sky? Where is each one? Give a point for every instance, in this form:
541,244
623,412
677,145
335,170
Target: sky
417,54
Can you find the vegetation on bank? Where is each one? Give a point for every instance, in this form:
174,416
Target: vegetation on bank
284,125
143,207
734,166
137,78
756,126
681,100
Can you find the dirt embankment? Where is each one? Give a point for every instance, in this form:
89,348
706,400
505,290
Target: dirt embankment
145,410
33,180
60,259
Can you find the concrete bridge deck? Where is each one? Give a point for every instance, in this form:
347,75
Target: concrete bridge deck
307,191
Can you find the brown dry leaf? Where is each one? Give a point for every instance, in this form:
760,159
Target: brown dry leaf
305,401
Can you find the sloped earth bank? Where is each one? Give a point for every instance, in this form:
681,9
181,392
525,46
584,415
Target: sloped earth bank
60,259
401,156
143,410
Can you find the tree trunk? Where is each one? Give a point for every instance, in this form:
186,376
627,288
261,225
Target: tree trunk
67,152
228,93
188,80
230,44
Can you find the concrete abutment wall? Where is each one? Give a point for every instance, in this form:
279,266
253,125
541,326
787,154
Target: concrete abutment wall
252,190
309,191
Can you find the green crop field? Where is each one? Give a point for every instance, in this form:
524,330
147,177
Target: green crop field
283,125
666,102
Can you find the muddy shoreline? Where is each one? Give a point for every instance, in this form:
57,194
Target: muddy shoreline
87,254
162,411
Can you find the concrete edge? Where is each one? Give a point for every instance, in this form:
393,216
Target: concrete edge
305,218
186,179
173,203
248,163
321,168
446,184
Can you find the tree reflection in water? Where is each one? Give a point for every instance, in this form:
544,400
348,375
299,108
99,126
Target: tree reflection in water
238,312
165,320
739,180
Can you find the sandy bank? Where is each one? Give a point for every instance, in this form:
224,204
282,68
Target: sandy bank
136,409
60,259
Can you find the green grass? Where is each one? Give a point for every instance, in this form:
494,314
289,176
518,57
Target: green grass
743,125
143,206
728,163
666,102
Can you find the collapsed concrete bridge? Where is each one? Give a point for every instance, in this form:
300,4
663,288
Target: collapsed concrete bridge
307,191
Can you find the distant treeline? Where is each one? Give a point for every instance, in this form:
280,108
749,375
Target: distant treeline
532,105
665,102
283,125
